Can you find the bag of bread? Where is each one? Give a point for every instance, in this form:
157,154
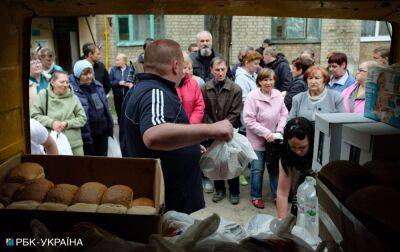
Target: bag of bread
24,204
36,190
118,194
62,193
25,172
90,193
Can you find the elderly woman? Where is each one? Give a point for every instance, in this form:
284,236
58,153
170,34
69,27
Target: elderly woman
99,125
340,78
318,98
295,163
37,79
47,57
354,96
57,108
265,117
190,93
119,84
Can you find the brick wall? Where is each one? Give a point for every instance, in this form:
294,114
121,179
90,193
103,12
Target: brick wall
292,51
248,31
183,28
344,36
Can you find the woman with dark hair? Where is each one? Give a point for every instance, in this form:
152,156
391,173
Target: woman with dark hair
340,78
295,163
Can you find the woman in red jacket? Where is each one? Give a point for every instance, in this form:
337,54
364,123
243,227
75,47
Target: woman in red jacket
190,94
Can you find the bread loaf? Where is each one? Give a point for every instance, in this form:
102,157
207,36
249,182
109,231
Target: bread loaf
25,172
35,190
143,210
62,193
118,194
8,191
50,206
90,193
24,204
112,208
143,201
83,207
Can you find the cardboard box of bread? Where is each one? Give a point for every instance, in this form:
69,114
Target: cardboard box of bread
117,194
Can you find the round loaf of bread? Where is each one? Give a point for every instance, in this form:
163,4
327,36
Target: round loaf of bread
35,190
143,201
90,193
118,194
25,172
8,191
83,207
24,204
112,208
62,193
50,206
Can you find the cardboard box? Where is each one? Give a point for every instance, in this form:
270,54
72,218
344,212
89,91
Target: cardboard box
144,176
328,135
382,95
363,142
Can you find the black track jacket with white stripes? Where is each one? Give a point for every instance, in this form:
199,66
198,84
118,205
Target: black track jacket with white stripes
151,102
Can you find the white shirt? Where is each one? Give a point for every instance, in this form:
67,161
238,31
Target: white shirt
39,135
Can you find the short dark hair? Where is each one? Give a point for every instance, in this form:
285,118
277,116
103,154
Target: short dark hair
383,51
191,46
267,41
302,63
338,58
264,73
217,60
87,48
55,74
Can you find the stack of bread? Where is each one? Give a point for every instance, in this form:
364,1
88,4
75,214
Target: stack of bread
27,188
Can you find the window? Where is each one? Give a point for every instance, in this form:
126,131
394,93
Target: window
295,29
375,31
133,30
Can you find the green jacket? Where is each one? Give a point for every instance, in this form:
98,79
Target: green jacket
66,108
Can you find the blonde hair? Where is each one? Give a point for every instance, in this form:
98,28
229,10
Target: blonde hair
123,56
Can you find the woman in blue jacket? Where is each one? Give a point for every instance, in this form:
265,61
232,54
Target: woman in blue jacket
99,125
119,82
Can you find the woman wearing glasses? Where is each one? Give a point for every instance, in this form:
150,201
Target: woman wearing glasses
295,162
318,98
57,108
354,96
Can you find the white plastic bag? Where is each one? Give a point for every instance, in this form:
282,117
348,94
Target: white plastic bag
63,146
114,150
227,160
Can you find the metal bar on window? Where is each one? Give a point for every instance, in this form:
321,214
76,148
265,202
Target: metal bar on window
151,26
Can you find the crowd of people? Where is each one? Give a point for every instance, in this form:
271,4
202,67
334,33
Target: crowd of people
172,104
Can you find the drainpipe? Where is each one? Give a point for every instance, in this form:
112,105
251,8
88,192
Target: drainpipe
106,44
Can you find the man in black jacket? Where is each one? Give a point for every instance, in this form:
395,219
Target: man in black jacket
202,58
91,53
260,50
278,63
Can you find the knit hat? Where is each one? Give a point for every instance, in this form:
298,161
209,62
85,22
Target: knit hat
81,65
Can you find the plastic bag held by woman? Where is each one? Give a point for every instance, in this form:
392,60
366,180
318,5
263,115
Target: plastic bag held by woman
114,150
63,146
227,160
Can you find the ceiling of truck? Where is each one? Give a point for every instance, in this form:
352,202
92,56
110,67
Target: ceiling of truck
359,9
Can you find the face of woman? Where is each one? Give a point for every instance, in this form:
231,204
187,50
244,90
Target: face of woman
36,67
299,147
362,73
337,70
187,68
252,66
315,82
86,76
119,62
60,85
267,84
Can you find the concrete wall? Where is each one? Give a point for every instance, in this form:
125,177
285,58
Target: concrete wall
45,27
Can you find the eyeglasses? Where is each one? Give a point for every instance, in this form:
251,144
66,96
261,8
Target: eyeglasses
360,70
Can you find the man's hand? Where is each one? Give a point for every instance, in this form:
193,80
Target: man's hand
222,131
122,83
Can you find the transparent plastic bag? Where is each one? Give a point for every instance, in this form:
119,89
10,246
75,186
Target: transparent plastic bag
114,150
63,146
227,160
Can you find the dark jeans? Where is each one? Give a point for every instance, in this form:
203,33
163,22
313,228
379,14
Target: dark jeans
256,176
233,185
99,146
118,99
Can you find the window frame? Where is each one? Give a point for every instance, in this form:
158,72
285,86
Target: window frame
306,40
131,41
377,37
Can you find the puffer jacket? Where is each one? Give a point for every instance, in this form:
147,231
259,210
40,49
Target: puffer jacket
86,130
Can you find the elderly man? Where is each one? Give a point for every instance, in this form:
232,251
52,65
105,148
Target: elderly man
202,58
155,126
277,62
223,99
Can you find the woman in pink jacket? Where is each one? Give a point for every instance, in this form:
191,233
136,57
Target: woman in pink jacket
190,94
265,116
354,95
